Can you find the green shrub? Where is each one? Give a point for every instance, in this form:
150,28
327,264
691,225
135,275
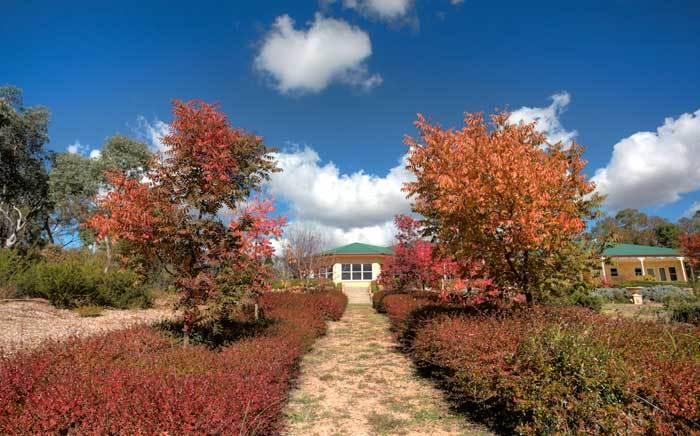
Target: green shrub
611,295
374,286
66,284
123,290
593,302
564,381
13,270
69,283
667,294
686,312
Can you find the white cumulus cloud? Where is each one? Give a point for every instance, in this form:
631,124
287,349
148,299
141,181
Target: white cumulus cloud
653,168
547,119
153,132
78,148
346,207
309,60
692,209
383,9
75,148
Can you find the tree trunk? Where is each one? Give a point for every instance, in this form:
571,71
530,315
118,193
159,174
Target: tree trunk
47,227
109,255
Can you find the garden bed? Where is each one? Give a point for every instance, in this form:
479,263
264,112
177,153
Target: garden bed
141,381
553,370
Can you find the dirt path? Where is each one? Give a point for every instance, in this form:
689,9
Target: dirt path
354,382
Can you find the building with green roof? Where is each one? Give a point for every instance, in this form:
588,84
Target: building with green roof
622,262
354,265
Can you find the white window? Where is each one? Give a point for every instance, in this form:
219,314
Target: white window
356,271
326,272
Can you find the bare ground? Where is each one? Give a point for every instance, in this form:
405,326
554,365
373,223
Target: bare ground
355,382
25,324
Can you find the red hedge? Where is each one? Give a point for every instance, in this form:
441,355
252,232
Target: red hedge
514,369
138,381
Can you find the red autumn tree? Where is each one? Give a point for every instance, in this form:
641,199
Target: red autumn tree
410,266
417,264
502,197
174,216
690,245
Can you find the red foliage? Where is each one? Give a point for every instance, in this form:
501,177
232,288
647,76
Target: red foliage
137,381
483,361
171,217
417,264
500,195
690,244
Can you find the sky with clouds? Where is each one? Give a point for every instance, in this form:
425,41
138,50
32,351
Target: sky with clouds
335,85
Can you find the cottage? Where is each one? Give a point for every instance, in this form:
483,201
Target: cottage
354,265
631,262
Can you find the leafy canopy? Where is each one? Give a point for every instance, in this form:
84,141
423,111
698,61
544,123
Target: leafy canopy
501,196
174,215
23,173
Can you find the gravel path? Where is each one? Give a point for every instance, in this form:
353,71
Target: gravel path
355,382
25,324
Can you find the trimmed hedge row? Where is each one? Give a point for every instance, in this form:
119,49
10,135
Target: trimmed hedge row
555,369
139,381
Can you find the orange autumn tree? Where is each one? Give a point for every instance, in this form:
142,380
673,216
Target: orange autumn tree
502,196
174,215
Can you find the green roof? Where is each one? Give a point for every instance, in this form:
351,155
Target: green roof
358,248
639,250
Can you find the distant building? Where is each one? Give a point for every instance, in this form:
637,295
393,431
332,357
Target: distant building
354,265
630,262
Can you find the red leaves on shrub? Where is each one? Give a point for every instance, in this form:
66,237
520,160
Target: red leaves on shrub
514,369
137,381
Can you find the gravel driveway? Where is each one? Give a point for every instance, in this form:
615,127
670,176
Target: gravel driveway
25,324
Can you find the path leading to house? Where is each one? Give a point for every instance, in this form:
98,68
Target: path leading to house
354,382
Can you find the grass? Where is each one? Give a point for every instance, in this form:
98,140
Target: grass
384,423
427,415
89,311
305,410
644,312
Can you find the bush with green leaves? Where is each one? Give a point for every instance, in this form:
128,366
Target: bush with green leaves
75,279
686,312
611,295
593,302
667,294
562,376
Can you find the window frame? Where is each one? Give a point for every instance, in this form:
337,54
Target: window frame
638,272
614,272
357,272
673,274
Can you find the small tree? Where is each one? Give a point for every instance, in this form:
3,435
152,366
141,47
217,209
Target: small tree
303,250
502,196
171,216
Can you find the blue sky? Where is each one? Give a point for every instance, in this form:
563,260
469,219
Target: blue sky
624,66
